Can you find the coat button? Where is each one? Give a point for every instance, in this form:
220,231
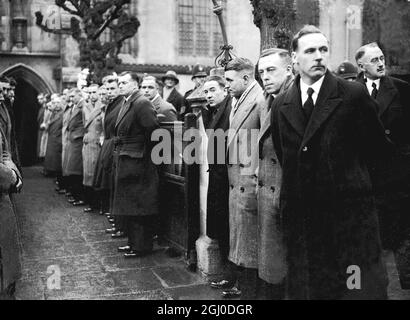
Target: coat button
273,189
387,132
305,149
242,189
274,161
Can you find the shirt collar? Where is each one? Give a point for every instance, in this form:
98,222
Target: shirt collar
316,86
369,84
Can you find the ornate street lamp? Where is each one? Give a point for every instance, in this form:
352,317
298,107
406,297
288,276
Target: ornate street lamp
225,56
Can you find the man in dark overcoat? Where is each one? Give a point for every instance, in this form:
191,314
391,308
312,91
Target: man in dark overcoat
74,164
217,221
393,101
327,135
10,178
135,194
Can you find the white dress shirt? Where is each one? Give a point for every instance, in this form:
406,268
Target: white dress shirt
316,88
369,85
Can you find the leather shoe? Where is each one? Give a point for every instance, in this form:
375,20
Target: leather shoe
78,203
111,230
111,220
107,214
134,254
223,284
231,293
71,200
118,234
89,209
124,249
61,191
68,194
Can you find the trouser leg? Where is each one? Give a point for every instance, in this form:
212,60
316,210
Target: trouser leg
140,233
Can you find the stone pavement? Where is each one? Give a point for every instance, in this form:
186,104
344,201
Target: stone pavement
56,235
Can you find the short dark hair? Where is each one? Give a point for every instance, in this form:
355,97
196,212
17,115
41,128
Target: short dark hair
12,81
221,81
241,64
362,50
307,29
134,76
284,54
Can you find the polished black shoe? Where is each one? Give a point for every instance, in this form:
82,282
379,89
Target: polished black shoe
231,293
71,200
88,209
78,203
111,220
68,194
118,234
111,230
107,214
223,284
124,249
135,254
61,191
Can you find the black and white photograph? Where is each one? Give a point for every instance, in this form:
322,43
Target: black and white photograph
224,151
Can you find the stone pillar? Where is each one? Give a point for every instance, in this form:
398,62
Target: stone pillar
208,256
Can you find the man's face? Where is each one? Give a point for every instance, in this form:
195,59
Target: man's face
199,81
214,93
126,85
311,57
112,90
170,83
93,94
11,93
274,71
373,64
40,99
1,94
236,83
149,89
75,97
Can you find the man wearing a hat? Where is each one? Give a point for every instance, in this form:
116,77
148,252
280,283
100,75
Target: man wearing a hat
347,71
170,93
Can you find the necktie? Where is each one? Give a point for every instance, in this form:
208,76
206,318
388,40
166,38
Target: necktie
309,105
374,91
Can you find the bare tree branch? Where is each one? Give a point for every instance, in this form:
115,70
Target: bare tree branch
61,4
39,22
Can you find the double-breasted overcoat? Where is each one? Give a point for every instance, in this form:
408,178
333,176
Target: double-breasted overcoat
91,144
242,157
135,176
327,203
75,131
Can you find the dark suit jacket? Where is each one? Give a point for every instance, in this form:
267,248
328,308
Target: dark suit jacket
393,108
176,99
327,206
218,188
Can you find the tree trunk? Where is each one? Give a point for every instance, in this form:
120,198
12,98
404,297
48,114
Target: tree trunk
276,21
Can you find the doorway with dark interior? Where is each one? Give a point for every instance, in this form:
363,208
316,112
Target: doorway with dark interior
25,111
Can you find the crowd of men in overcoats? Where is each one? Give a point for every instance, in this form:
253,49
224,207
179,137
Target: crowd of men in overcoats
302,212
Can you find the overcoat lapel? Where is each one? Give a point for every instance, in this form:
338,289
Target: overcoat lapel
127,104
292,109
94,114
55,117
387,92
78,109
326,103
248,103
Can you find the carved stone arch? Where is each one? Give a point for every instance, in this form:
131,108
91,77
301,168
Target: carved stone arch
29,75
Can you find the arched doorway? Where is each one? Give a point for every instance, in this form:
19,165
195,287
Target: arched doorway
29,85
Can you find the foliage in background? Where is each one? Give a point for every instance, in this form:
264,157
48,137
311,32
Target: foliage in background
89,20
